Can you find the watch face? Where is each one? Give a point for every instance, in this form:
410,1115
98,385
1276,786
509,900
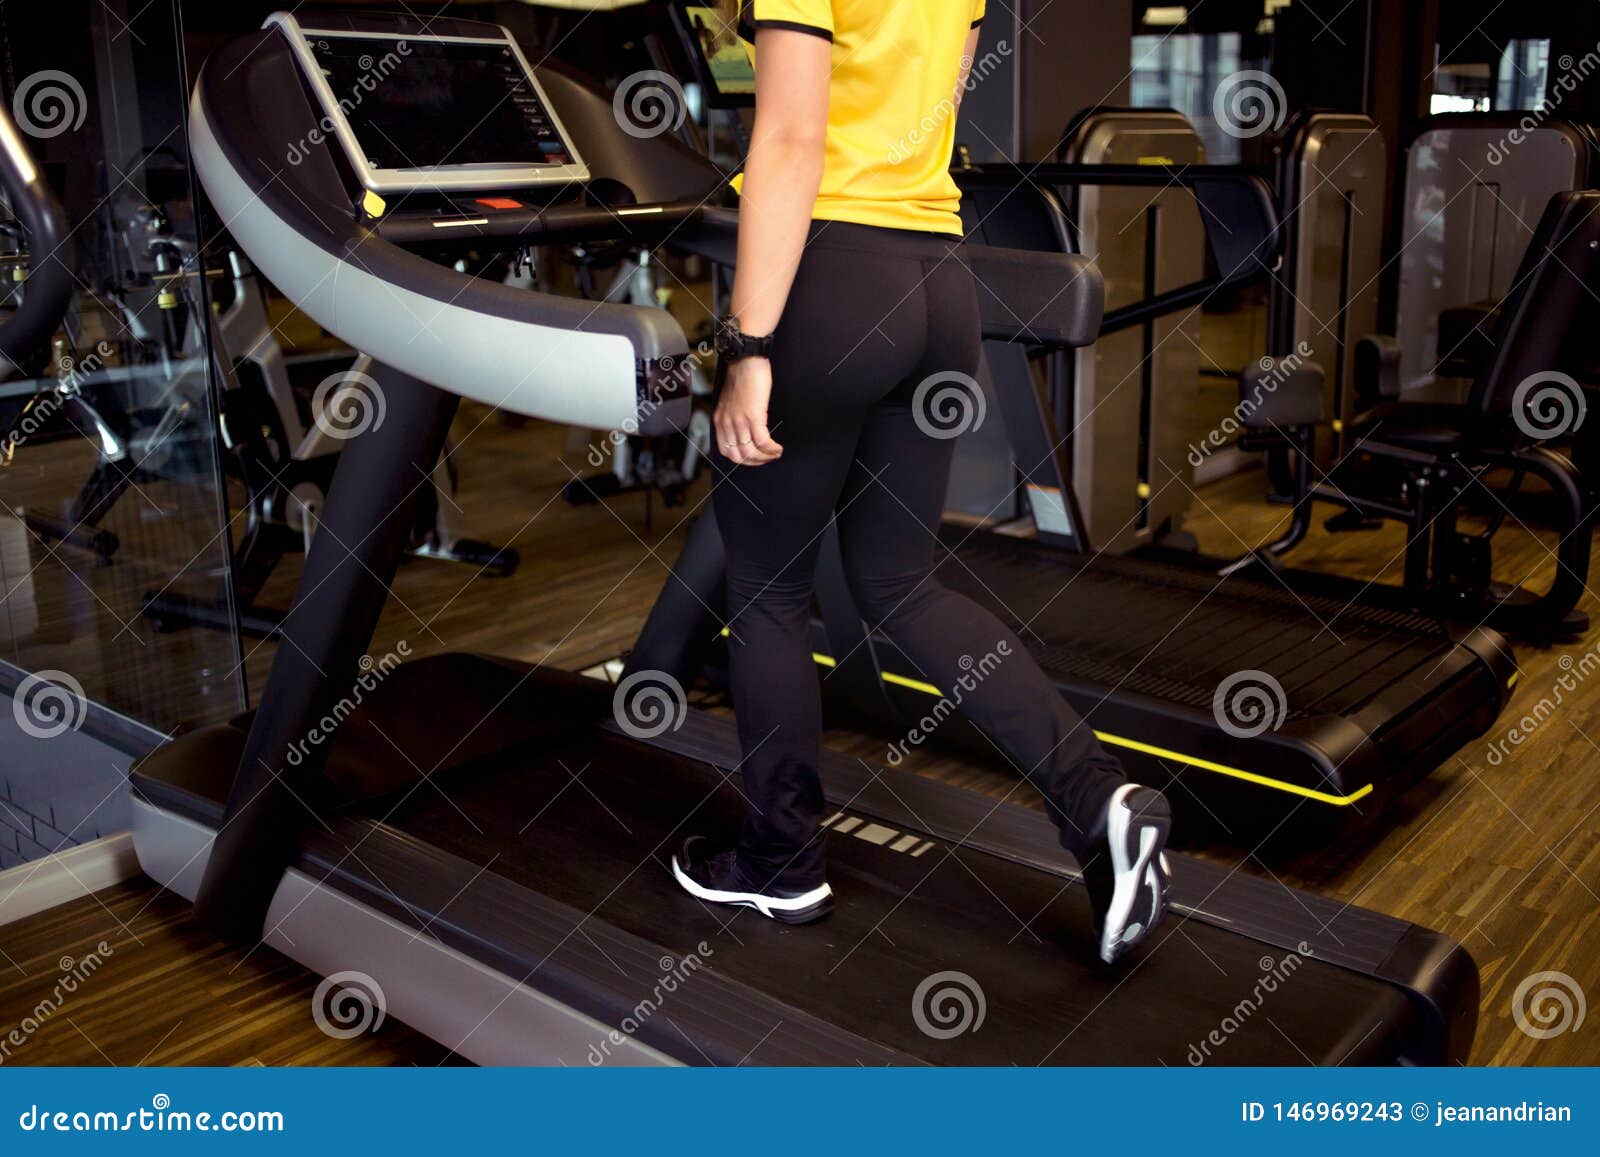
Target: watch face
732,342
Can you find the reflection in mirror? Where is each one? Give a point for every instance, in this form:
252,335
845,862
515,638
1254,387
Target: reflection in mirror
110,487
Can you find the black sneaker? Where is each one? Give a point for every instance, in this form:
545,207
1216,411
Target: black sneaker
1128,876
710,872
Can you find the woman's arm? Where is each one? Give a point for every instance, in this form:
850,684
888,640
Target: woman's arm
781,177
968,55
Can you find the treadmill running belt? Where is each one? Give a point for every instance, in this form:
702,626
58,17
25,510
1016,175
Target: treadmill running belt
1175,635
591,824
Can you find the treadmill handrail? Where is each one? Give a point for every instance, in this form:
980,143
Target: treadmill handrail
1243,231
1055,300
48,289
549,225
1029,297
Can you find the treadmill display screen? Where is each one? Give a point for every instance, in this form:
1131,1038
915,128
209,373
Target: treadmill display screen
422,104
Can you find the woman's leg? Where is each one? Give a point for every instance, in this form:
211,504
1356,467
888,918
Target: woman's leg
853,322
773,519
888,522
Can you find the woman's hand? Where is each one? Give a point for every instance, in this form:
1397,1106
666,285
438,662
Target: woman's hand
741,418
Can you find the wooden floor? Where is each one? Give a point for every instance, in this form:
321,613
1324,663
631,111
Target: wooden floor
152,988
1504,858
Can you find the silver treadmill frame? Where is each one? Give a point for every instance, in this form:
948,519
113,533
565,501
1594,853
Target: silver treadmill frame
427,984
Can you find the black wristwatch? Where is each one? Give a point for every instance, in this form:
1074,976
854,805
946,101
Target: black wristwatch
733,344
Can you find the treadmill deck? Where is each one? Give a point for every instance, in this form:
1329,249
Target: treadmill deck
548,863
1364,700
1176,634
593,826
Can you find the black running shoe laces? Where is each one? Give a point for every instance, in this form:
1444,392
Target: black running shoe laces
1129,877
711,872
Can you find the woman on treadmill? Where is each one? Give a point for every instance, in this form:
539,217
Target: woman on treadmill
851,292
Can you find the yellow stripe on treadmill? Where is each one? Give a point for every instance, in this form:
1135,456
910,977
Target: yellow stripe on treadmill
832,818
922,849
817,657
848,824
904,844
914,684
888,676
876,834
1165,752
1235,772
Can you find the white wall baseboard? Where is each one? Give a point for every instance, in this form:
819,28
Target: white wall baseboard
66,876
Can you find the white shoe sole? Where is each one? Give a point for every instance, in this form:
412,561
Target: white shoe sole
782,908
1146,868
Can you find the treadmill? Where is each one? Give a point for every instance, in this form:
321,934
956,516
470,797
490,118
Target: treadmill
479,845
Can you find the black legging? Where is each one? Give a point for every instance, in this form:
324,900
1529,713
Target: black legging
873,314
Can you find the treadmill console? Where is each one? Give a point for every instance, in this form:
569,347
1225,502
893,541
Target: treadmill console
424,112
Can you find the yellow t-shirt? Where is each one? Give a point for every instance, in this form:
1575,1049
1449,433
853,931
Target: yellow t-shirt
891,106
